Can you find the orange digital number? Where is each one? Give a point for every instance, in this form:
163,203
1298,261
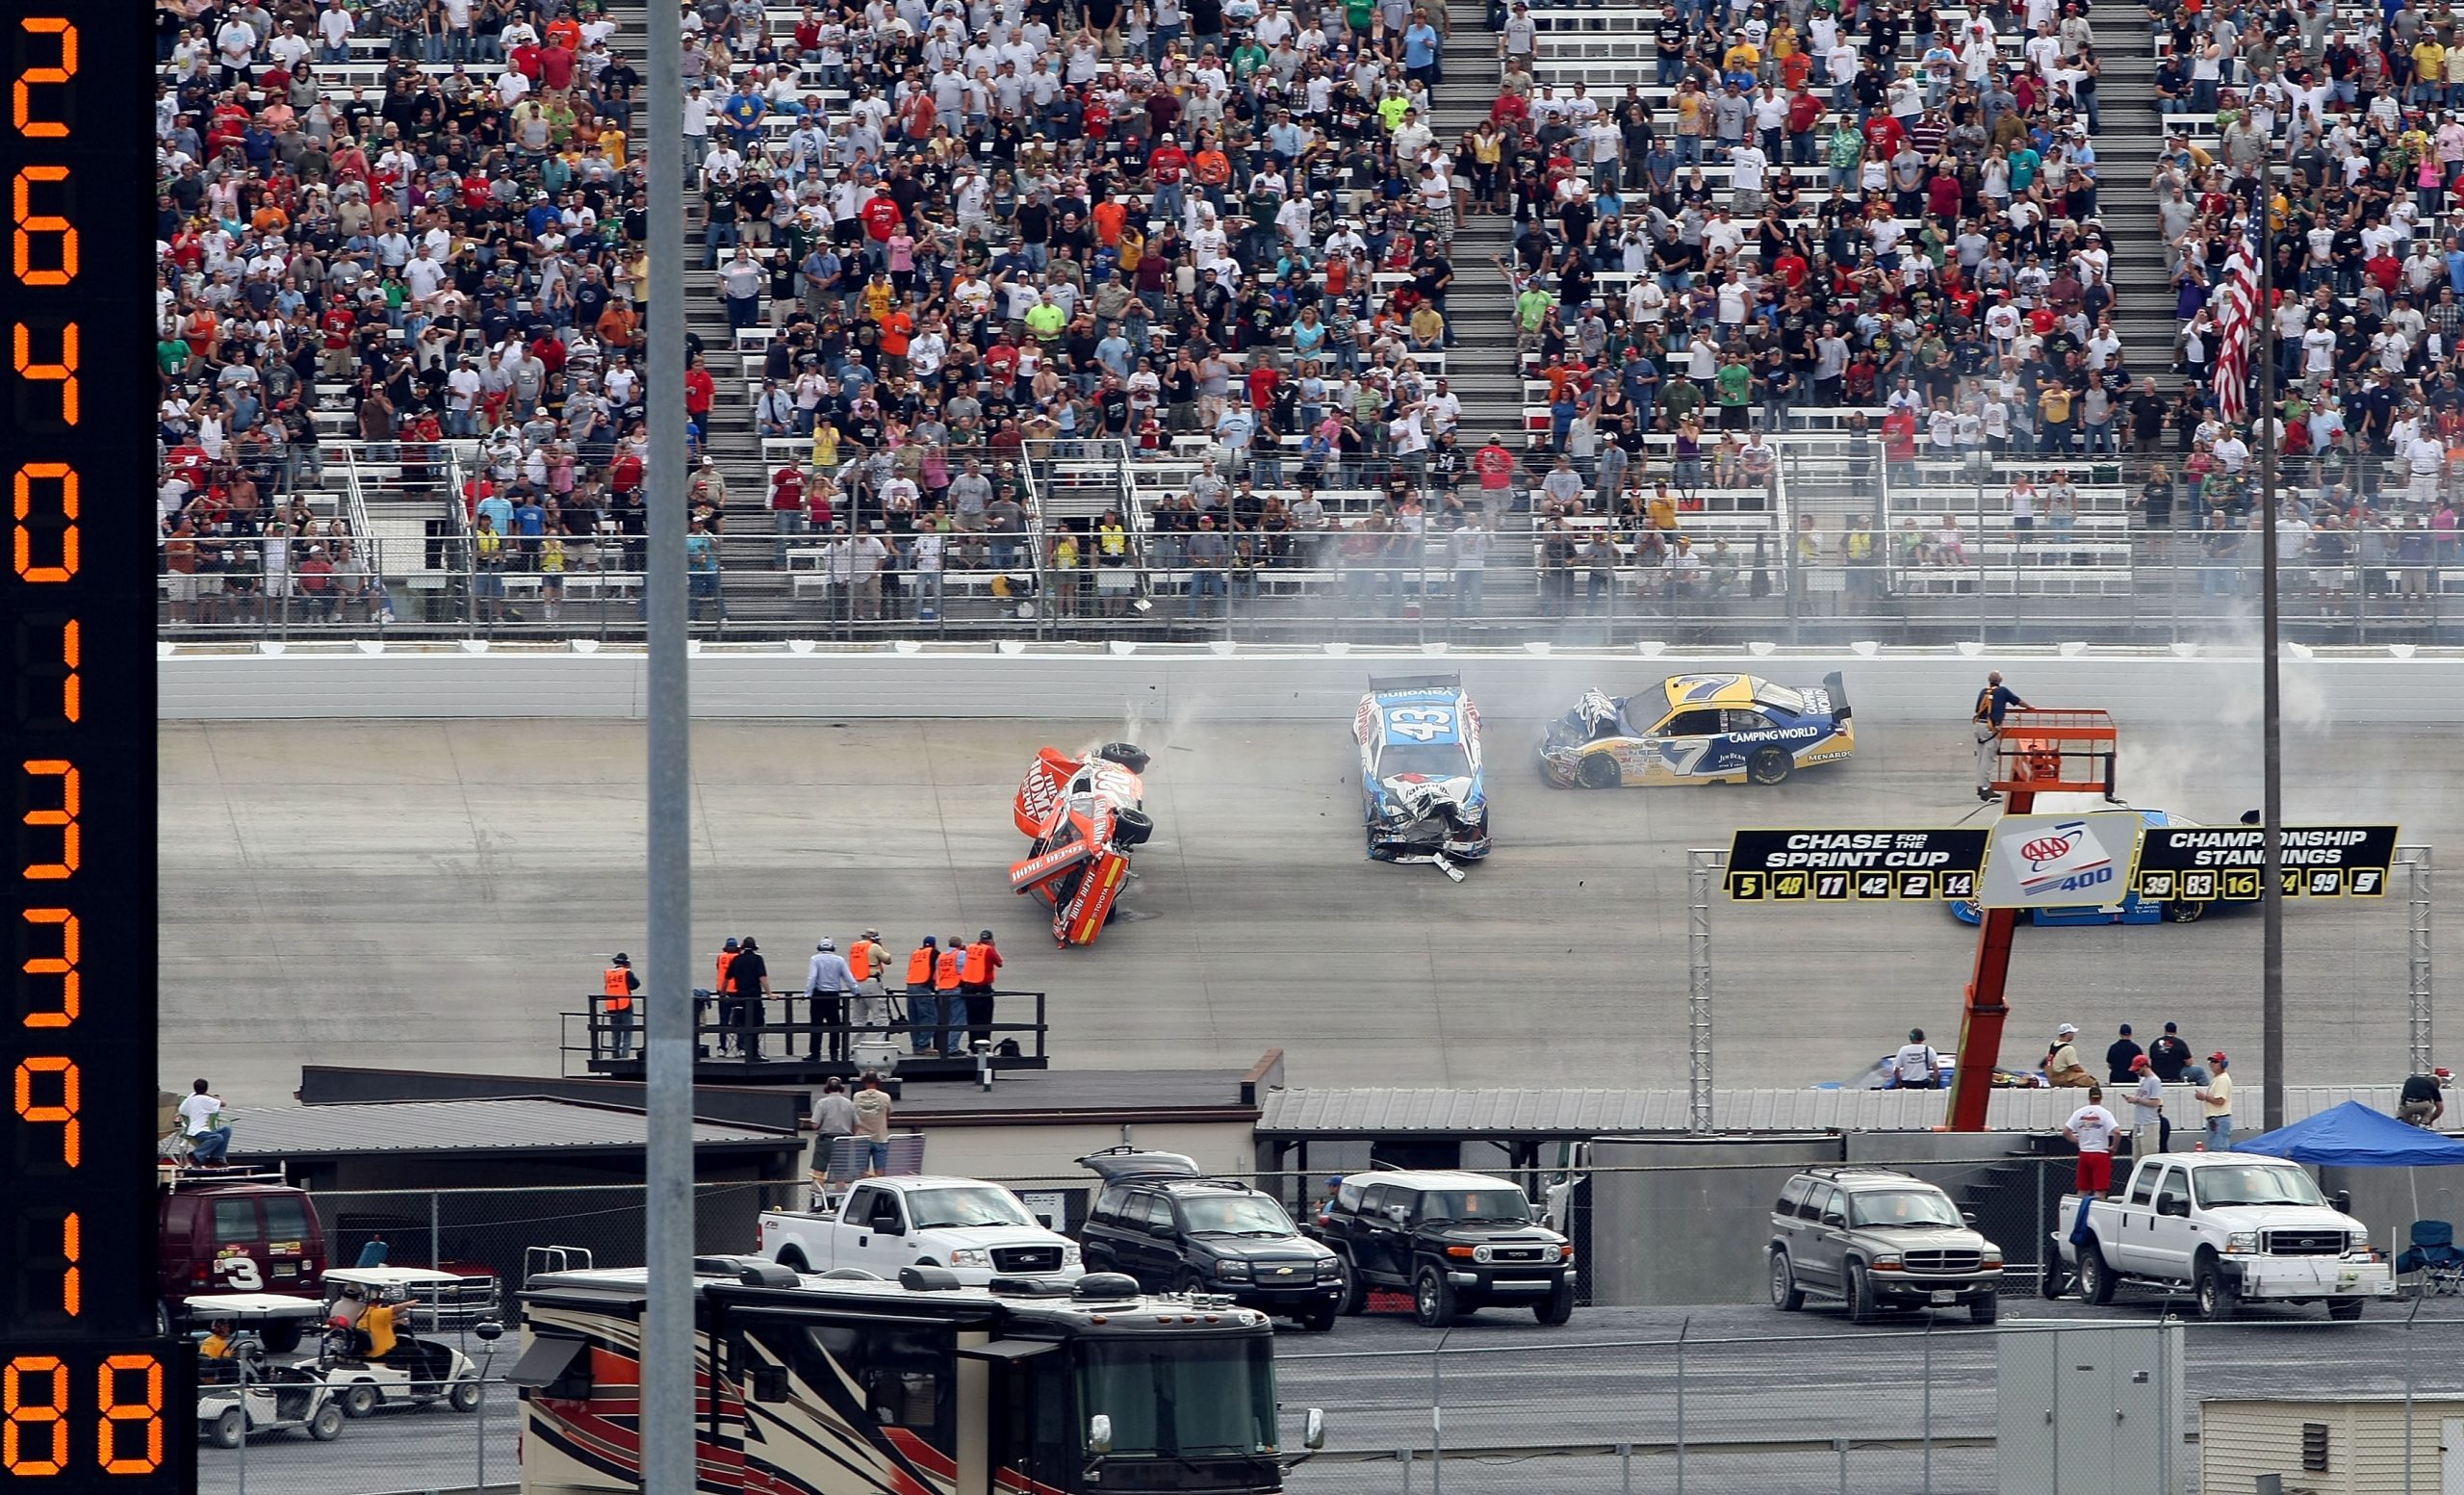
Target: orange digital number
63,372
62,1114
22,108
27,223
65,818
63,475
28,1424
72,1251
118,1414
63,965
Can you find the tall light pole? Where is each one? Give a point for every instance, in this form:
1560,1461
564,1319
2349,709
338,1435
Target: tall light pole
666,1430
2271,724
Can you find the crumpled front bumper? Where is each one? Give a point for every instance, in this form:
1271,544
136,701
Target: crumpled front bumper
1434,835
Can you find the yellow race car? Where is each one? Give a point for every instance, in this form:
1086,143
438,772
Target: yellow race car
1699,729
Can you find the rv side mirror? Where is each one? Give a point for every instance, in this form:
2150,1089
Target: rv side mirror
1312,1428
1099,1434
2342,1200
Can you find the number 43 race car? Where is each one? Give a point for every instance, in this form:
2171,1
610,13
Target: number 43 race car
1420,772
1699,729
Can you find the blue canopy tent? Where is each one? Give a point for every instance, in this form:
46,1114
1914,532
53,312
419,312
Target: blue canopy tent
2352,1135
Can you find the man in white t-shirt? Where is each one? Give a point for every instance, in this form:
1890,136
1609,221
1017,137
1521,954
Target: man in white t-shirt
1916,1066
202,1118
2093,1128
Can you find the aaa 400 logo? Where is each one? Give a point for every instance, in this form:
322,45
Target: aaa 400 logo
2069,857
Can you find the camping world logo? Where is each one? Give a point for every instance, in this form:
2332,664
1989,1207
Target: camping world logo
2067,851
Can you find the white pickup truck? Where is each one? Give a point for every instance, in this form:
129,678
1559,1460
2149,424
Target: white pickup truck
2231,1228
978,1230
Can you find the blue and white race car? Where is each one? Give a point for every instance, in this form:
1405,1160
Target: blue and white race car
1419,771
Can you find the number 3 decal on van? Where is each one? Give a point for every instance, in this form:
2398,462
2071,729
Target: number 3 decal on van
240,1274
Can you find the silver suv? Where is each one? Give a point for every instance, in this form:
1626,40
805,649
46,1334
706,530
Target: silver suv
1876,1240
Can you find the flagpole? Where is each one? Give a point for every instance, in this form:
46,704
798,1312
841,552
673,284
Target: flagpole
2271,765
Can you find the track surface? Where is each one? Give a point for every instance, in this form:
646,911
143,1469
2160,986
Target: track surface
429,894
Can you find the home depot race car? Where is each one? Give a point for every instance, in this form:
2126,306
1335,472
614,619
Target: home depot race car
1699,729
1084,819
1420,772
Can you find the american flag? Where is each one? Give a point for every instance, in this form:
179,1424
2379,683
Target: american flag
2233,327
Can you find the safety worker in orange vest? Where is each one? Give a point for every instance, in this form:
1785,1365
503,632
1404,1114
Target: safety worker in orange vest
983,963
617,984
730,1016
923,1006
869,962
946,972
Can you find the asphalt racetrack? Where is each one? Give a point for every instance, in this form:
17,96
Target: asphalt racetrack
429,894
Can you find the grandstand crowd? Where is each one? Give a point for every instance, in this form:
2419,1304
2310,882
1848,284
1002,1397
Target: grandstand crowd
959,243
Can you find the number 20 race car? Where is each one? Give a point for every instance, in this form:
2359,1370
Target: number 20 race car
1699,729
1085,817
1420,772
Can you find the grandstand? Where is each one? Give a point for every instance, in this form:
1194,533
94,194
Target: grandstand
1143,319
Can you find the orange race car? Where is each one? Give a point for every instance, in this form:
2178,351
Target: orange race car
1085,816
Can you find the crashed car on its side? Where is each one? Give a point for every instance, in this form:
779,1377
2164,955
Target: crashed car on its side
1699,729
1419,771
1084,815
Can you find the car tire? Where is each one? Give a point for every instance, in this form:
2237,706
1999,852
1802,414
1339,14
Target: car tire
1187,1281
327,1424
1769,766
465,1396
1318,1321
1600,772
229,1428
1129,755
2096,1276
1131,828
1985,1311
2216,1298
1861,1306
2345,1311
1785,1294
1434,1303
2053,1281
1356,1301
2184,911
282,1336
161,1318
1557,1307
360,1399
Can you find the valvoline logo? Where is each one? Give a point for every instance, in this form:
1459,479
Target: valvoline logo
2061,855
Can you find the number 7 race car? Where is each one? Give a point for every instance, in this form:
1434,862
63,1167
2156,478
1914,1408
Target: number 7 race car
1420,772
1085,817
1699,729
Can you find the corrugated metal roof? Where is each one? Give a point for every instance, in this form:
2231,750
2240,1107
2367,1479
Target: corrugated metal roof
456,1126
1597,1113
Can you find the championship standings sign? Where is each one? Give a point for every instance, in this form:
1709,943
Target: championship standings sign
2194,863
1832,867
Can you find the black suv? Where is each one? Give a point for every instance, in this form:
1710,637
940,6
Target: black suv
1455,1240
1158,1219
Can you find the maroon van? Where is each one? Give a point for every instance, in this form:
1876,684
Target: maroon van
239,1235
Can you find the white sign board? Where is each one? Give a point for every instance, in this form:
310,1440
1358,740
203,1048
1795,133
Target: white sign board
2060,861
1050,1206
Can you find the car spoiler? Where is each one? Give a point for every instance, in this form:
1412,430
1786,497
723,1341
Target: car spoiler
1838,688
1384,682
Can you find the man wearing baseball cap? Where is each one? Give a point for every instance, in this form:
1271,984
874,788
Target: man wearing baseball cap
2147,1099
2216,1104
2062,1065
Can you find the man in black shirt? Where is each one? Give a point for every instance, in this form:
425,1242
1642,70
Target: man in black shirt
2420,1103
2118,1059
749,986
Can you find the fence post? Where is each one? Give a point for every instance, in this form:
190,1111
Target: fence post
1437,1415
1626,1469
1927,1430
1682,1330
435,1251
2411,1375
1841,1444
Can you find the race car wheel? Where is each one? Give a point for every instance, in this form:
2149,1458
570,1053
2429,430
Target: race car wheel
1600,772
327,1424
1129,755
230,1428
1131,828
360,1399
2184,912
1770,765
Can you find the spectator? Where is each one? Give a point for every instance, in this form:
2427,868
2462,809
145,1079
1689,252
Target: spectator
209,1134
2215,1097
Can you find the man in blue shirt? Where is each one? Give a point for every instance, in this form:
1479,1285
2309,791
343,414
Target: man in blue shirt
1992,703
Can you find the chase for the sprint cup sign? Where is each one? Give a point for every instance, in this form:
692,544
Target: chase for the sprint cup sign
1867,864
2067,860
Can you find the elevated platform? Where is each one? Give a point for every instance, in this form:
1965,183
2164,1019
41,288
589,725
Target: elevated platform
592,1045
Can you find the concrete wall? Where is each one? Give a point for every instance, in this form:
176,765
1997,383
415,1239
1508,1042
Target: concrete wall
2389,1200
1692,1231
1002,1148
1165,682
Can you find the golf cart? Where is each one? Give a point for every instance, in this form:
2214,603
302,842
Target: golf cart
240,1392
415,1373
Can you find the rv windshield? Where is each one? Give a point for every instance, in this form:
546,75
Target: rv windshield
1206,1396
